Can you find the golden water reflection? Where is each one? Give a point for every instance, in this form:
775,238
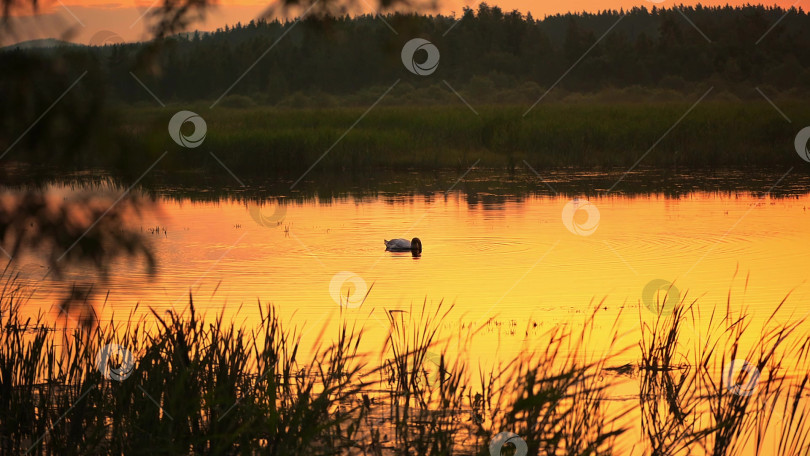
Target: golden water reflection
518,265
513,271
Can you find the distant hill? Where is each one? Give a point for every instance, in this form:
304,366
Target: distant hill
39,44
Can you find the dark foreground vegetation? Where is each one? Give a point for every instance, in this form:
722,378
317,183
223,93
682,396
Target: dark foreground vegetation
203,386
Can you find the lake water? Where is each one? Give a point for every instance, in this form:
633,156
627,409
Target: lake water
514,263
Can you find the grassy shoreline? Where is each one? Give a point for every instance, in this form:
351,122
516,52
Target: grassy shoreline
272,147
276,142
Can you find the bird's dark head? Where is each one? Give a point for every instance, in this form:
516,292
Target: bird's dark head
416,246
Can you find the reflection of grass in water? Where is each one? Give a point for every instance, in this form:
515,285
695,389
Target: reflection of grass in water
214,388
287,141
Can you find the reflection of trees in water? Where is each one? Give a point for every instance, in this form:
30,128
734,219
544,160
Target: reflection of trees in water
84,230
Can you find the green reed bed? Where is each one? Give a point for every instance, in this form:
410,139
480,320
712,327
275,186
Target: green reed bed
205,386
273,142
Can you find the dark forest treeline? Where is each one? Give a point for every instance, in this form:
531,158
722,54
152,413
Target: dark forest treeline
500,63
675,48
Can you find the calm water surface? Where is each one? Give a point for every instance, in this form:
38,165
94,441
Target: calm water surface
516,267
514,262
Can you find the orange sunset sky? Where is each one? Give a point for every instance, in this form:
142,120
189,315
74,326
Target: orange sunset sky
80,20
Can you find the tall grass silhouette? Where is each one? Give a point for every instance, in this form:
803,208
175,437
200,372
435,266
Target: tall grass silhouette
205,386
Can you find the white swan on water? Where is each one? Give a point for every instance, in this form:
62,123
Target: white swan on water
403,245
